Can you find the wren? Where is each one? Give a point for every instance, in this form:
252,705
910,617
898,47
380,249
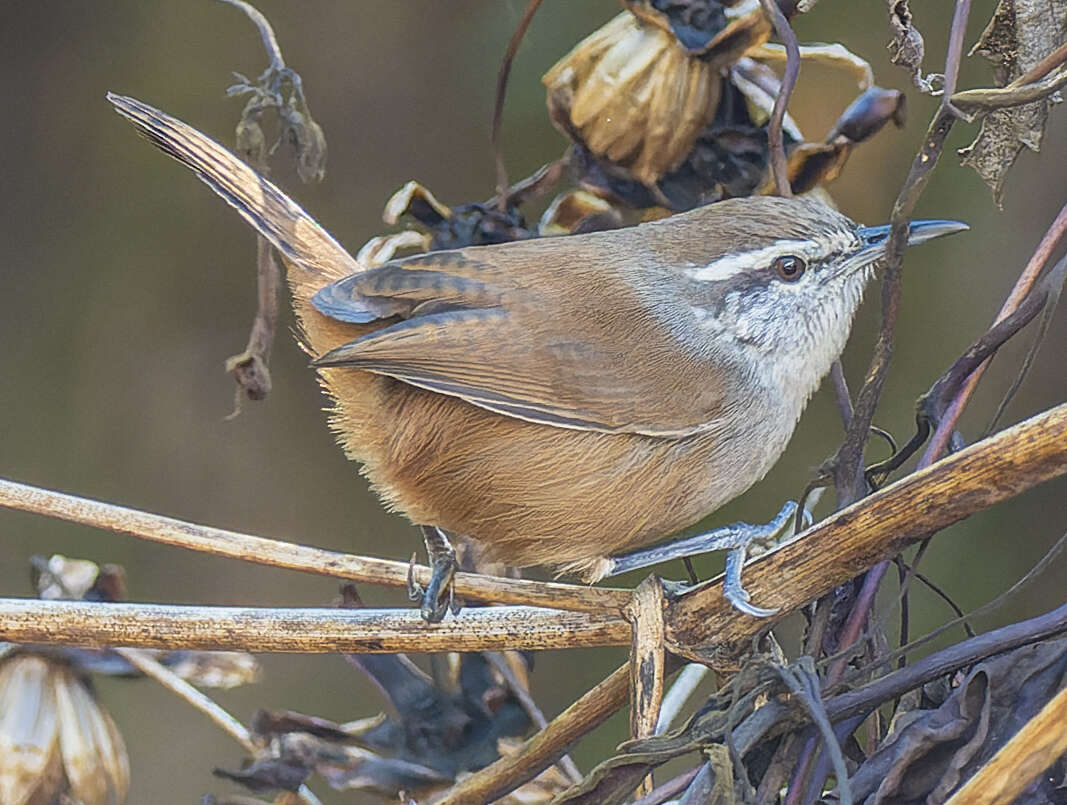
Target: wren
564,400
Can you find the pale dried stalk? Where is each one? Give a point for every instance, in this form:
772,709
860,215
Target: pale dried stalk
248,548
205,704
183,690
308,631
544,748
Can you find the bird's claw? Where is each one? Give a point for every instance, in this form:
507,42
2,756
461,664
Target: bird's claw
439,596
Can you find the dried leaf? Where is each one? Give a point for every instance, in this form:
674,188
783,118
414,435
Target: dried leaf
907,46
929,752
1020,34
475,224
268,775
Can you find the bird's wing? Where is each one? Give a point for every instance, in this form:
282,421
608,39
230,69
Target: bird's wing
481,330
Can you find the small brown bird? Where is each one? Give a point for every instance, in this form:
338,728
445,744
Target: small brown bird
564,400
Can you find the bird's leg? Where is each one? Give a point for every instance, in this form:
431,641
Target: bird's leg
736,538
438,596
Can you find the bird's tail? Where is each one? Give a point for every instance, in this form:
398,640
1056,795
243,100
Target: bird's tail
296,235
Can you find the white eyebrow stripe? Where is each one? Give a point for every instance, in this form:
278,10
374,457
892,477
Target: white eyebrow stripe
731,265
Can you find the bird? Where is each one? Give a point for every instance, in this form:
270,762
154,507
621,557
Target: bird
566,401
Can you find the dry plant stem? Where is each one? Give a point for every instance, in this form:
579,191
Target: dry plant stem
251,368
946,661
955,49
206,705
702,626
774,719
275,553
848,463
266,32
647,663
669,789
1023,285
544,748
841,392
183,690
775,140
501,93
979,101
683,688
1030,751
804,685
311,630
537,718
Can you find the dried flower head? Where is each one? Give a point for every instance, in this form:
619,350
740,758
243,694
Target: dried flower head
58,746
633,94
56,741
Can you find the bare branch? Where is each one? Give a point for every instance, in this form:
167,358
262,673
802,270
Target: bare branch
266,32
775,141
501,92
1022,288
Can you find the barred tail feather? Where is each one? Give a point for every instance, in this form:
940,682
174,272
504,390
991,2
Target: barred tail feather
273,214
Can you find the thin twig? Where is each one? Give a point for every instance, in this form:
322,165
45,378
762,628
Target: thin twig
519,691
804,684
841,392
183,690
775,139
1042,565
946,661
205,704
498,103
678,694
1019,292
266,32
955,50
669,789
543,749
275,553
981,101
774,718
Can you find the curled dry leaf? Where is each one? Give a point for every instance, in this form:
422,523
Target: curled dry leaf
906,47
1020,34
933,748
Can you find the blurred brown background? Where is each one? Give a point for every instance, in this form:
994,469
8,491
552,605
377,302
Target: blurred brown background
126,284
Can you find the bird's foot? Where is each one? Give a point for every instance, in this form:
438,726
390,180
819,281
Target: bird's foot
737,538
438,597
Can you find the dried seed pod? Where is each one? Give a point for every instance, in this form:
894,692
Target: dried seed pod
634,96
473,224
578,211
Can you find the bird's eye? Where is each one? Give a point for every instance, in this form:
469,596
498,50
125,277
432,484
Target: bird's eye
790,267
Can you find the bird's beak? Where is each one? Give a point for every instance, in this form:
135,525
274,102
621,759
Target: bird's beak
875,238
